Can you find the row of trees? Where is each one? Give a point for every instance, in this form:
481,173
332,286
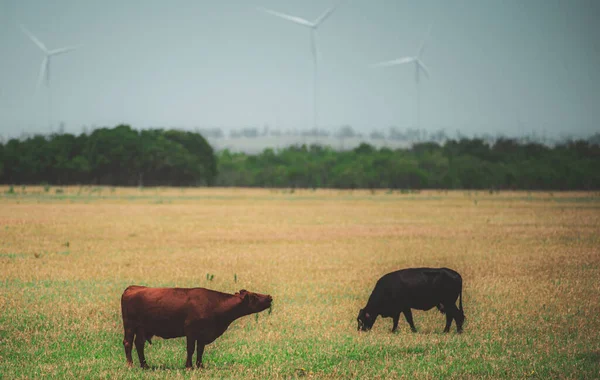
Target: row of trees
110,156
408,135
127,157
462,164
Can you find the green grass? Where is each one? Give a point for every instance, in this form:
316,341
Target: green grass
531,275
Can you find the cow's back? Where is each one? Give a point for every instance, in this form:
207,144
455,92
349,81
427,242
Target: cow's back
419,277
406,280
451,274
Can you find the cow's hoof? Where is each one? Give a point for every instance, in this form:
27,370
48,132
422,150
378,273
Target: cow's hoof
144,366
459,331
200,365
413,330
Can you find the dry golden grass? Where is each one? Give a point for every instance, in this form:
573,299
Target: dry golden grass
529,261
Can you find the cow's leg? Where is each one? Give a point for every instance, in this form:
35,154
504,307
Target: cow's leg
128,344
409,319
200,349
191,342
140,340
454,313
448,321
396,318
459,317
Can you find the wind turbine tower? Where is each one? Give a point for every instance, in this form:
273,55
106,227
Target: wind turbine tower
419,66
44,74
313,26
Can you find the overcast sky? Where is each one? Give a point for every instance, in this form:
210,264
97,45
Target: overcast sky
497,66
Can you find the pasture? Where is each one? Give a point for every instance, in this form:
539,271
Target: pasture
530,264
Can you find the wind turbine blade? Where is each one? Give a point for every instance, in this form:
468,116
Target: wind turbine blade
42,73
33,38
422,47
394,62
63,50
423,67
325,15
294,19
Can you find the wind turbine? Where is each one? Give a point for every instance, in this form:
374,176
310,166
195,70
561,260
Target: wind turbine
45,67
419,66
313,26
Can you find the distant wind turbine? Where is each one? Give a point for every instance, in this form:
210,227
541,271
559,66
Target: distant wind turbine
313,26
419,66
45,67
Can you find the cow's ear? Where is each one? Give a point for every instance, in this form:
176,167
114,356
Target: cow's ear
245,297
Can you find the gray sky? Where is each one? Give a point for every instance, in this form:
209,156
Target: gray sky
497,66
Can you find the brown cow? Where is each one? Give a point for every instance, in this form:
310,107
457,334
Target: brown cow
201,315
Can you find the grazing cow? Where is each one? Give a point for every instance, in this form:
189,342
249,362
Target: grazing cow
414,288
201,315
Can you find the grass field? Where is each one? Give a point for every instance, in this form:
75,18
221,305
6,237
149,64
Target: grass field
530,264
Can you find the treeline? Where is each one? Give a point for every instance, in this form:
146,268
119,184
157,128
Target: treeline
122,156
119,156
462,164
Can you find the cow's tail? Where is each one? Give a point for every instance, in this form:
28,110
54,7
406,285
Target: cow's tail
460,307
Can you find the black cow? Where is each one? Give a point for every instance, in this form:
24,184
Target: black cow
414,288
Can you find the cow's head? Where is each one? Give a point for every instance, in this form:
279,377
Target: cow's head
256,302
365,320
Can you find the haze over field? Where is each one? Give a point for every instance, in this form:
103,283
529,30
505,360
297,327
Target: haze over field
511,67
